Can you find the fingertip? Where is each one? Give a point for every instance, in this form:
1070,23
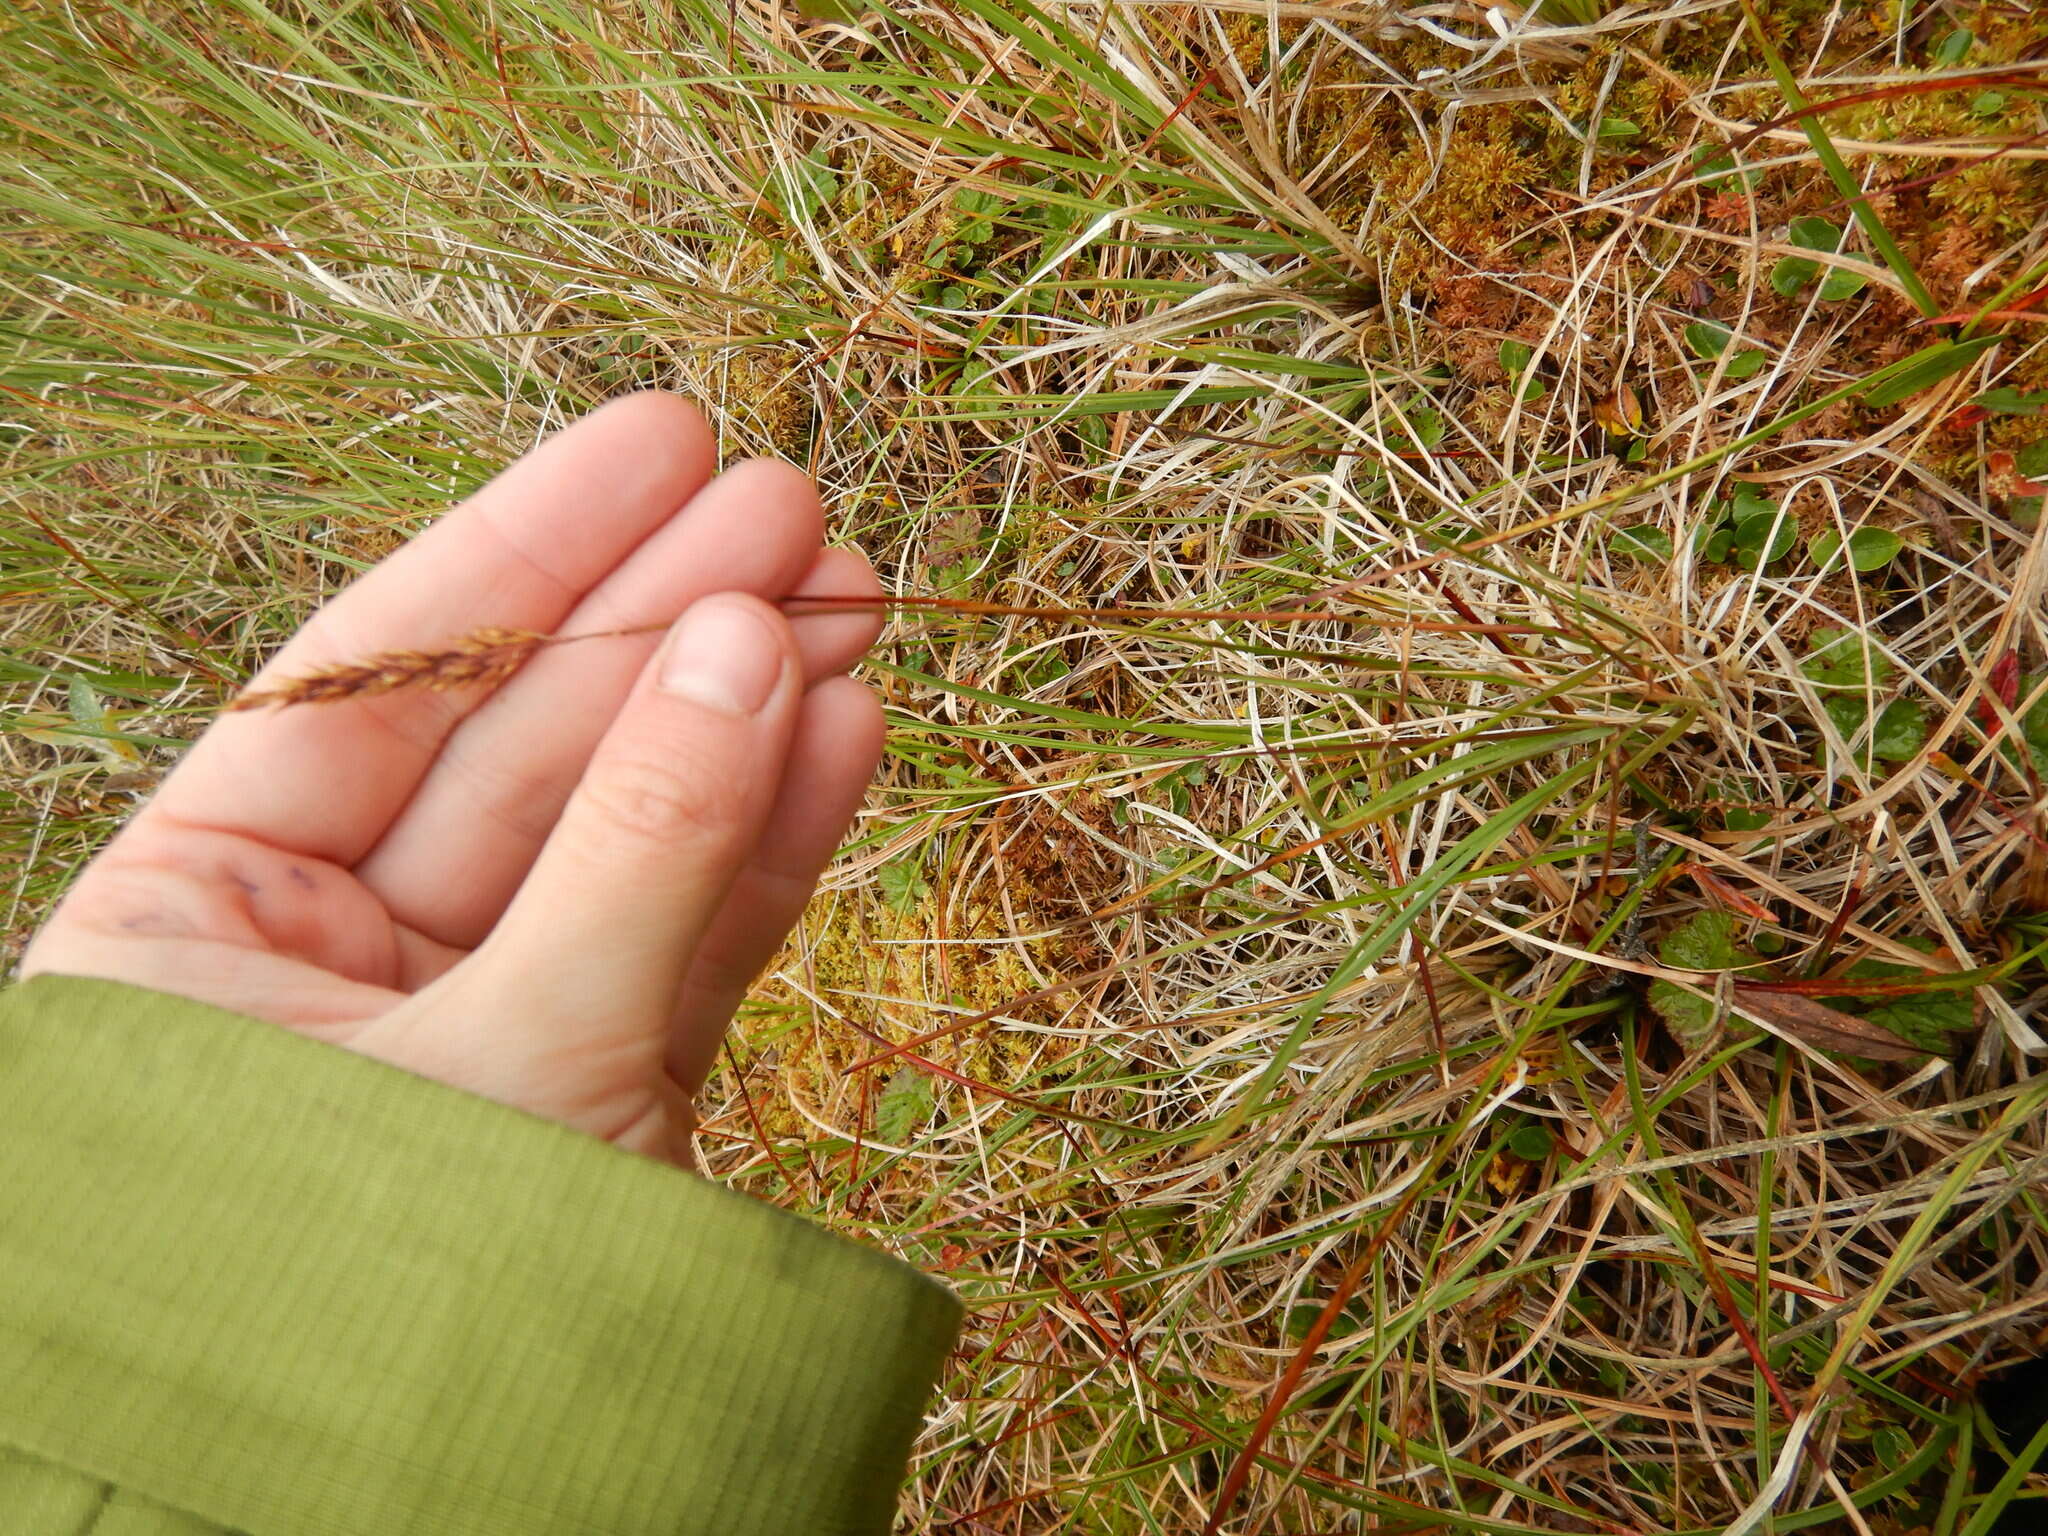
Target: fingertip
835,637
650,437
660,417
774,483
847,568
621,472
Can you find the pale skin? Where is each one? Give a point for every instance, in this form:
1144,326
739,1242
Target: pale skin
554,894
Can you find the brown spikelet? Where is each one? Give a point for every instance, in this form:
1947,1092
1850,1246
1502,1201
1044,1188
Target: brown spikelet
483,658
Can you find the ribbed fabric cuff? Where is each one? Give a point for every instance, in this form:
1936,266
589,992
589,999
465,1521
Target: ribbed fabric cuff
293,1291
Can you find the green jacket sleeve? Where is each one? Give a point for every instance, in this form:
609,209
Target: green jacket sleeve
253,1283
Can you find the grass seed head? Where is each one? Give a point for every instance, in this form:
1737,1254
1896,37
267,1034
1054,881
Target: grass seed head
483,658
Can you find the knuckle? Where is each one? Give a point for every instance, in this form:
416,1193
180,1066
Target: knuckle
643,801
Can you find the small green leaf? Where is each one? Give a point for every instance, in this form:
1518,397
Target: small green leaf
1842,659
1715,168
2006,401
1720,543
1619,128
1300,1319
809,187
1426,426
1703,942
1739,815
1928,1019
1763,537
1707,339
1517,359
1643,542
1792,273
1988,103
905,1105
902,883
1901,731
1814,234
1819,235
1749,501
2034,723
1870,549
1691,1019
1892,1446
1954,47
1848,712
1841,284
1531,1143
86,708
94,730
1928,367
973,375
1870,968
827,10
1745,364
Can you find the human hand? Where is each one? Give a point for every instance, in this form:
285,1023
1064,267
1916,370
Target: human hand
553,894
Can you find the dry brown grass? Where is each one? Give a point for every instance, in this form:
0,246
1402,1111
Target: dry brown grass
1242,1013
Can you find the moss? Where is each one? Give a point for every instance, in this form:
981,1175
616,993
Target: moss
886,964
764,388
1470,199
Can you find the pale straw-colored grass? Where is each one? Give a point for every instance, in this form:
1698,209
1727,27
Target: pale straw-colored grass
1246,1014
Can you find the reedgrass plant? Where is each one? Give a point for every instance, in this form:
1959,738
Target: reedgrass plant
1452,934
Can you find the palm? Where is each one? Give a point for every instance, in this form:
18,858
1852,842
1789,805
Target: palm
233,921
322,866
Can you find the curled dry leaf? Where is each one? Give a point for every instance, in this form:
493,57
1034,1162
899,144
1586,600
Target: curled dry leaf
1822,1027
1725,893
1620,413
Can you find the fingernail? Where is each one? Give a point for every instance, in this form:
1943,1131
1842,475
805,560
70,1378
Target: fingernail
722,655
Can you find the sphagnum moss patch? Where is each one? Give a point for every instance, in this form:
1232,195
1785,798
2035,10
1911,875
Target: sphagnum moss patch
1250,1017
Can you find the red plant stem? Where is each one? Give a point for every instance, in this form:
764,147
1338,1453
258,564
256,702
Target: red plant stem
1888,93
973,609
1290,1379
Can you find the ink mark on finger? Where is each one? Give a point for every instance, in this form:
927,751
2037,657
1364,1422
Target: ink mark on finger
157,922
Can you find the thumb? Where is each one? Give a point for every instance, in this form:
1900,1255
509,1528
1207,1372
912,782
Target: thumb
572,992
